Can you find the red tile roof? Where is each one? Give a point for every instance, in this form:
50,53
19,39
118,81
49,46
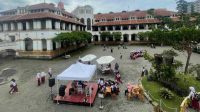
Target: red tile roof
121,15
41,15
163,12
127,22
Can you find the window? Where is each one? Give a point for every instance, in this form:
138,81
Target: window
132,18
117,19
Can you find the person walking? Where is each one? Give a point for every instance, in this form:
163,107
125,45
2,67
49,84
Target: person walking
143,72
43,74
38,78
50,73
120,55
13,86
111,50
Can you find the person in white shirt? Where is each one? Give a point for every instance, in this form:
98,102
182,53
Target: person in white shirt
38,78
50,72
13,87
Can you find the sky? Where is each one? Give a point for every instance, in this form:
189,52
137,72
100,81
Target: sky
100,6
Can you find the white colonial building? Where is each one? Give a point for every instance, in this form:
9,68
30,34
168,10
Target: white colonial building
33,28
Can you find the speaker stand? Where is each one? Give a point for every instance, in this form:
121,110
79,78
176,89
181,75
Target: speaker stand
51,95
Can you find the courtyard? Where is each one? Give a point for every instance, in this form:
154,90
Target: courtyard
35,99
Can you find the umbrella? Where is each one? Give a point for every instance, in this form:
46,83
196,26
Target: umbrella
105,59
88,57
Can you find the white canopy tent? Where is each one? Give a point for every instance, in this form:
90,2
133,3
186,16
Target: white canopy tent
78,71
105,59
88,57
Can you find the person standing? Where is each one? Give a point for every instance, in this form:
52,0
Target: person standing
38,78
120,55
50,73
13,87
43,74
143,72
116,66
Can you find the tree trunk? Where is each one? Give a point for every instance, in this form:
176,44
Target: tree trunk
188,61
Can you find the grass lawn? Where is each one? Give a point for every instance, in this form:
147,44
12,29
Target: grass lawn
154,88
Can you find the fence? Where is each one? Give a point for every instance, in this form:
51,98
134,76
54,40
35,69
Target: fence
162,106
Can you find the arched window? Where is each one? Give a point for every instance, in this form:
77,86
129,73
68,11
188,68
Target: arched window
44,44
88,24
82,21
28,44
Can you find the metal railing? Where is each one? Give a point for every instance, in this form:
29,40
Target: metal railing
162,105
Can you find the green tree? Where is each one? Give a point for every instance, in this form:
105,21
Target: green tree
117,36
106,35
181,39
181,6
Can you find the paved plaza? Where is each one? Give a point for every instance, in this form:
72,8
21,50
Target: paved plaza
34,99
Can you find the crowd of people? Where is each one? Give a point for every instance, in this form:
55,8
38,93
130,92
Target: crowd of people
108,87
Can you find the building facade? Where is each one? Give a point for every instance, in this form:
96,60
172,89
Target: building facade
129,23
33,28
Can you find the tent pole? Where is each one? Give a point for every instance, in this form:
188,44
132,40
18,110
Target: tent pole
57,91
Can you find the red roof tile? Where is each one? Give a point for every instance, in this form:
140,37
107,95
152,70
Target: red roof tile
121,15
163,12
41,15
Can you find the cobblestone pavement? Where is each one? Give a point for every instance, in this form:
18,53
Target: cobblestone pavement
34,99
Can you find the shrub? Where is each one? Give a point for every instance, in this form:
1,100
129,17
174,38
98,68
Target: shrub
166,93
148,57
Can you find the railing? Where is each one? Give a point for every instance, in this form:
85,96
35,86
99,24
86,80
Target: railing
184,105
162,105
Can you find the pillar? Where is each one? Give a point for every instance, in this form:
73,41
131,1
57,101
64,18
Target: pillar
40,45
12,26
106,28
99,38
5,27
137,27
27,25
49,45
57,25
99,28
113,28
147,27
39,26
69,26
49,24
129,37
19,25
129,27
1,28
156,26
35,45
63,26
121,27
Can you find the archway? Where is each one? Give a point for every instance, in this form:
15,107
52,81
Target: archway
44,44
133,37
88,24
95,38
28,44
82,20
125,37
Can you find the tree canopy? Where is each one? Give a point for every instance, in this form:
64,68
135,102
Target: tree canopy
75,36
181,39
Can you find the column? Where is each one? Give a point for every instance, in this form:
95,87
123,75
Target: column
79,29
156,26
35,25
121,27
99,38
69,26
57,45
114,28
22,45
137,27
35,45
40,45
5,27
129,27
106,28
1,28
19,25
129,37
63,26
99,28
57,25
137,38
49,24
27,25
73,27
147,27
39,26
12,26
49,45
